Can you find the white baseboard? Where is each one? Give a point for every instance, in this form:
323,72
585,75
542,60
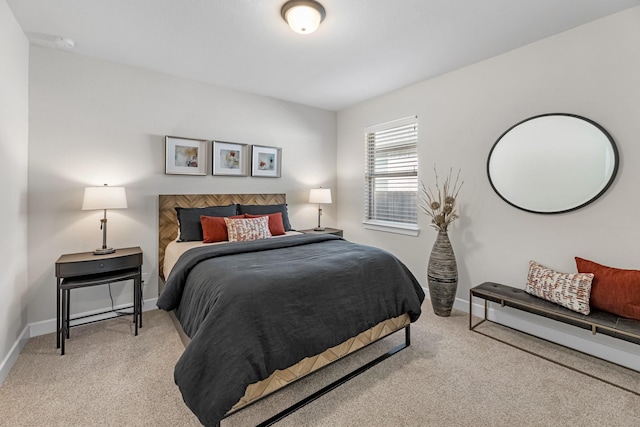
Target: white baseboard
13,354
602,346
49,326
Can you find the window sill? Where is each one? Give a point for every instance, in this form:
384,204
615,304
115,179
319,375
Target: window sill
392,227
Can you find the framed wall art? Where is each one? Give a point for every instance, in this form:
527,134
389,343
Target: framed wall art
185,156
265,161
230,158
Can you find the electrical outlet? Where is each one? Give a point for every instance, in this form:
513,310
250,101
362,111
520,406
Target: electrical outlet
145,276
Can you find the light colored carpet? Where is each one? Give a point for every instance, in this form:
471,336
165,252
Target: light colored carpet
448,377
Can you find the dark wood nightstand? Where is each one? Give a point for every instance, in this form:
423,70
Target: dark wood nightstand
327,230
85,269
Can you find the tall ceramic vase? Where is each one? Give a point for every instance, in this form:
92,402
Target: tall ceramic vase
442,275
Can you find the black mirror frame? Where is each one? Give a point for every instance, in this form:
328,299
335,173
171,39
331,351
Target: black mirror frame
604,189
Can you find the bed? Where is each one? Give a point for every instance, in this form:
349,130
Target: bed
256,316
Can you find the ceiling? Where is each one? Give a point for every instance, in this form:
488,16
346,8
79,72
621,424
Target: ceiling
364,48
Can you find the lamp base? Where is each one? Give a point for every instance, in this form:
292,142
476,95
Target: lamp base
318,228
104,251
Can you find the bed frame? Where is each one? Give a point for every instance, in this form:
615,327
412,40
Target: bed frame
168,231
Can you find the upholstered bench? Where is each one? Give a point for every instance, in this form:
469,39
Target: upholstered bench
597,321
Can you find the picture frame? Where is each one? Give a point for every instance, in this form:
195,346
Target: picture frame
185,156
265,161
230,159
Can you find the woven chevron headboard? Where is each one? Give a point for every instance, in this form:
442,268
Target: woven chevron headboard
168,221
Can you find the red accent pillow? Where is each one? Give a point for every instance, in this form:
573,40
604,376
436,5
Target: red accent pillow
276,226
613,289
214,228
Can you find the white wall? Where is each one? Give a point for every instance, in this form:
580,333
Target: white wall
591,71
92,121
95,122
14,139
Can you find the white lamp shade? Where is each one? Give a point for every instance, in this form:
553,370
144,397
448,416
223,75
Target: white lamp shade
320,195
104,197
303,16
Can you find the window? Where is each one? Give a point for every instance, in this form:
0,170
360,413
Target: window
391,176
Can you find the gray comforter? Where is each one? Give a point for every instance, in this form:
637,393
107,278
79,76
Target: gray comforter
254,307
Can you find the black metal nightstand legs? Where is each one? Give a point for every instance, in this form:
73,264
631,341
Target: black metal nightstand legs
86,269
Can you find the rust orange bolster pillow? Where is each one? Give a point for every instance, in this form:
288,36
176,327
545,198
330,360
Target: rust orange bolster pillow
613,290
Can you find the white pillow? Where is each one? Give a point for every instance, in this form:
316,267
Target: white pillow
570,290
243,229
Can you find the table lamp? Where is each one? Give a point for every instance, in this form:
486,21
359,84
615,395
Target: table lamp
319,196
105,197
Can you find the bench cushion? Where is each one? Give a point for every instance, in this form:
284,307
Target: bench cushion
606,323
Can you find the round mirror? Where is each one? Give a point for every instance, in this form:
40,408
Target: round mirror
552,163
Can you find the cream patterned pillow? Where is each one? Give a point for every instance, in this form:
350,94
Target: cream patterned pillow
570,290
248,228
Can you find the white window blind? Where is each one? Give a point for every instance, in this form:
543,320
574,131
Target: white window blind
391,172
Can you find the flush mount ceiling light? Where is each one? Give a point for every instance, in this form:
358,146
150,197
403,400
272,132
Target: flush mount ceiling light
303,16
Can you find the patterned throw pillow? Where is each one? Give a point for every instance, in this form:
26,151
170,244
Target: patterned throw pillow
248,228
570,290
276,226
